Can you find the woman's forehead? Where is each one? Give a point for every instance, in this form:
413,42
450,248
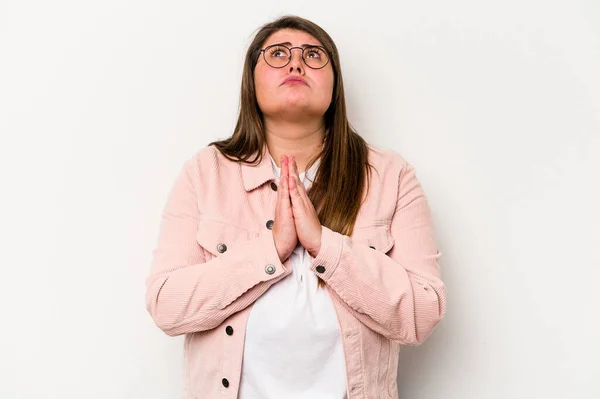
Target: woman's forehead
294,37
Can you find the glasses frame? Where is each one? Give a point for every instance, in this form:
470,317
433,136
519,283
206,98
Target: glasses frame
263,51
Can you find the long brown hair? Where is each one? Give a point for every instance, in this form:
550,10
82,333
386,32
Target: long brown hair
338,189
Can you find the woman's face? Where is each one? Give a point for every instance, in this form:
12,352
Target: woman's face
305,99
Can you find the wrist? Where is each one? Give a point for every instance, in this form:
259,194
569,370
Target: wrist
314,251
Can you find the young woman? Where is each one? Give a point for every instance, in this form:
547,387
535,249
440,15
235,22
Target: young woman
295,257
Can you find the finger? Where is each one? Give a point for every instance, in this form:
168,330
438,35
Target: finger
284,182
286,201
280,192
294,167
298,205
300,185
284,167
295,196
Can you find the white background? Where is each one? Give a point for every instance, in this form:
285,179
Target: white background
495,103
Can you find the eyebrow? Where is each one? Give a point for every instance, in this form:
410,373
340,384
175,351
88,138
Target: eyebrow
290,45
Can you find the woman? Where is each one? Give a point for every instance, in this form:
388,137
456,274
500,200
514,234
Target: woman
295,257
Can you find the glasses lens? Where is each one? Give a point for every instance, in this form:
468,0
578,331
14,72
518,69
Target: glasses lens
315,57
277,56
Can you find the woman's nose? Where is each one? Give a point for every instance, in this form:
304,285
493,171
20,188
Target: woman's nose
296,62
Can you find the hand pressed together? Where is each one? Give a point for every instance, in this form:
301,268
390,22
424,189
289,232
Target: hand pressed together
295,216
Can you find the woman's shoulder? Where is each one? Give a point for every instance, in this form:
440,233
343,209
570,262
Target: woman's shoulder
384,158
206,154
207,165
207,158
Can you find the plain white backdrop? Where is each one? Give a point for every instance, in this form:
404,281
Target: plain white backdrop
495,103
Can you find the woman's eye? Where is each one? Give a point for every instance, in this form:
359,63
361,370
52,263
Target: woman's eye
277,52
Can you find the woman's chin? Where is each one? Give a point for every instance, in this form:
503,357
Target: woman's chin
294,107
295,100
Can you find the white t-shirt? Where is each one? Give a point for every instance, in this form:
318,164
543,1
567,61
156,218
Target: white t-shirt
293,347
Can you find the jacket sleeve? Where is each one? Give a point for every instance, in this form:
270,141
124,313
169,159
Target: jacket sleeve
184,292
400,294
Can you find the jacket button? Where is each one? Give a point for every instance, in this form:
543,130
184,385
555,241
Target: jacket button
221,248
372,247
320,269
225,382
273,186
229,330
270,269
270,224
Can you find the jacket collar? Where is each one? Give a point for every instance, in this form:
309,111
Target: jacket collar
258,174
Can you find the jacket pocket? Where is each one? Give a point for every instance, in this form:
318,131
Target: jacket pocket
378,237
217,237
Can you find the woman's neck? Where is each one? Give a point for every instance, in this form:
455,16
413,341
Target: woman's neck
302,141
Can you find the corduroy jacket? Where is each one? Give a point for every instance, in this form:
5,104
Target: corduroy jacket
215,255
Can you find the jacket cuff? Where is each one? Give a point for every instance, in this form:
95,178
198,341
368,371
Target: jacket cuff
270,267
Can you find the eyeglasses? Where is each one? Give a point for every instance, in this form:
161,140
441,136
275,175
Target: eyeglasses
278,56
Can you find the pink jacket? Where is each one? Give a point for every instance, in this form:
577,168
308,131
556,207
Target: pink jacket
215,255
